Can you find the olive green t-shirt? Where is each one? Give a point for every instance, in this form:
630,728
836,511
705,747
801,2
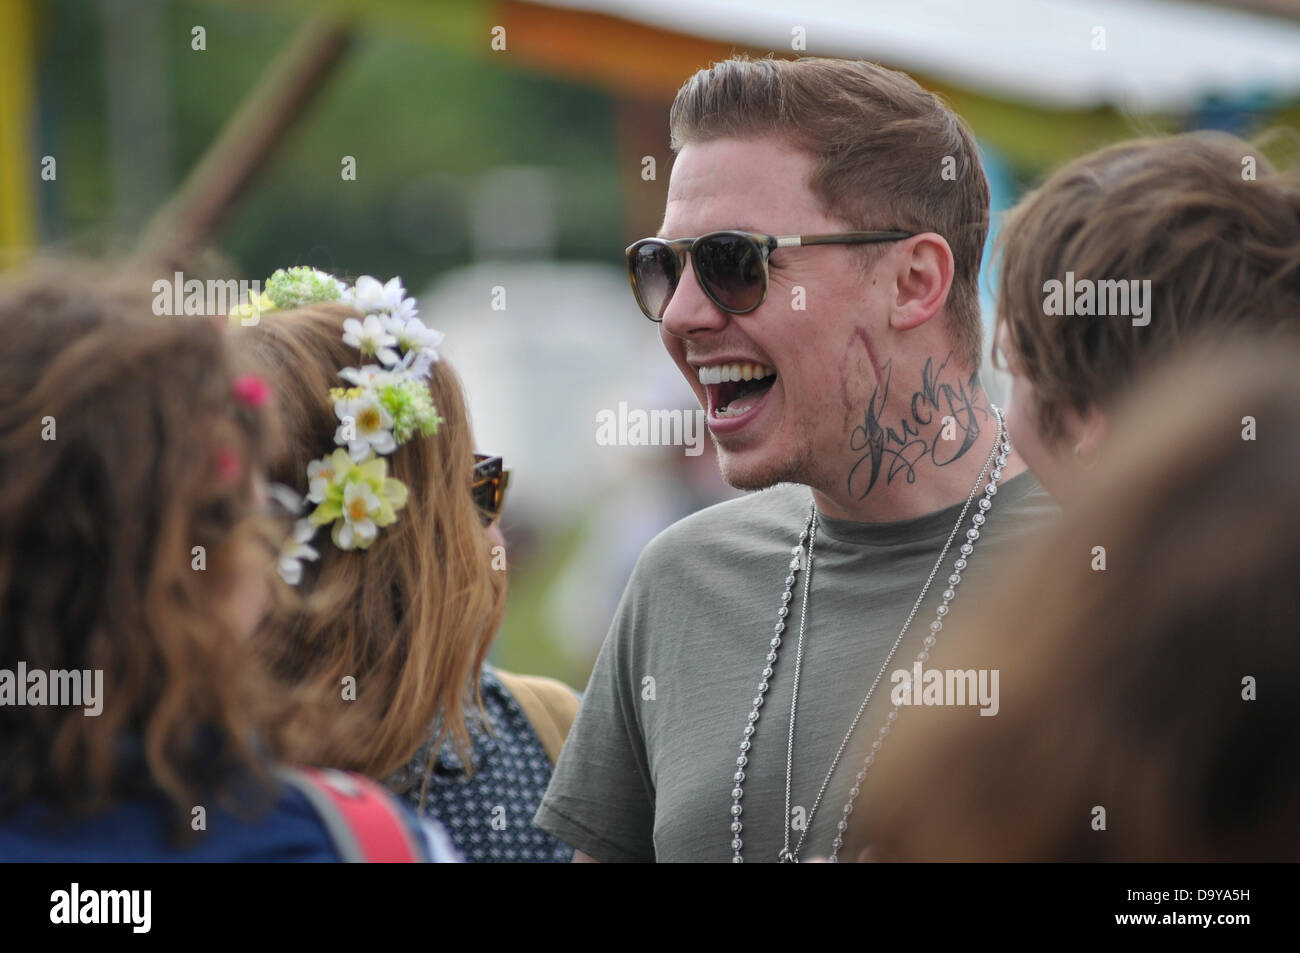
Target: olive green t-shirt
647,770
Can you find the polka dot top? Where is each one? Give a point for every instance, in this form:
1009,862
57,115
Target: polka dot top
489,815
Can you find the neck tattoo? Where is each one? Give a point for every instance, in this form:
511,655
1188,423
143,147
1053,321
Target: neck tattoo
997,459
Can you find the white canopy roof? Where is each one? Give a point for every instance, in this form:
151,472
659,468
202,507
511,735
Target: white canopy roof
1159,55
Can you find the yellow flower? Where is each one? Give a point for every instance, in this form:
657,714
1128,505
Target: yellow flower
250,313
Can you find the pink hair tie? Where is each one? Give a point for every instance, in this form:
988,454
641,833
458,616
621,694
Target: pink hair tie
251,390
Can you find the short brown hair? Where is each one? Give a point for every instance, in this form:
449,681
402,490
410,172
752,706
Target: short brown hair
880,146
121,450
412,617
1126,688
1221,251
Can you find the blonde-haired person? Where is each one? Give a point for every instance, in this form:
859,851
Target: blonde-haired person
1122,259
1149,704
134,721
386,644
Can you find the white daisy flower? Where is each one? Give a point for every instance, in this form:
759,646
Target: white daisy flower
360,506
371,426
321,475
394,326
295,550
405,309
422,362
414,335
370,337
369,295
370,377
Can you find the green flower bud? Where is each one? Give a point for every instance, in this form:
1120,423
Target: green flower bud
298,286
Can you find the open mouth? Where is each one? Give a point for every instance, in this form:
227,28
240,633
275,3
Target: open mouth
736,388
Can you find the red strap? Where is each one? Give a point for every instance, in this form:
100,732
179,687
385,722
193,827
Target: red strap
369,813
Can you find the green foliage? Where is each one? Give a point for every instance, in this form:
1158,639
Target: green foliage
420,102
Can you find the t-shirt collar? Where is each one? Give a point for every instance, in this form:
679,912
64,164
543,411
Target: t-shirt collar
936,525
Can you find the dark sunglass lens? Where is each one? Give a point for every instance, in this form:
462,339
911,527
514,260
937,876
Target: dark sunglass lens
489,486
654,269
731,268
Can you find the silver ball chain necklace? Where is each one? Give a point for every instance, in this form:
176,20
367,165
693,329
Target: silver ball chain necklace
997,459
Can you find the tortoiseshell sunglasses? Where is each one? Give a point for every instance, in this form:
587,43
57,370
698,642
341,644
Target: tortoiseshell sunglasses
730,266
489,486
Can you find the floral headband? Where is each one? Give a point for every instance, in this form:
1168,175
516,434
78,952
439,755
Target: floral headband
386,404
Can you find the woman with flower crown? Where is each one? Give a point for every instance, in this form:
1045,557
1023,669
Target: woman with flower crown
135,723
395,598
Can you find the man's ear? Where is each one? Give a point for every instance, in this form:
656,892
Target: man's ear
924,275
1082,434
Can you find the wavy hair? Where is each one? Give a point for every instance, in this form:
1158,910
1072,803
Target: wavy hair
121,452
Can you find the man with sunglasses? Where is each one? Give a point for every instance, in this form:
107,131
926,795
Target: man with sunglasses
815,280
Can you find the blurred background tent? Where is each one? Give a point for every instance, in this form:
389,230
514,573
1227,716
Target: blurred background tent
501,156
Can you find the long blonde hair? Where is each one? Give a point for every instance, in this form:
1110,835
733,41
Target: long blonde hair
412,617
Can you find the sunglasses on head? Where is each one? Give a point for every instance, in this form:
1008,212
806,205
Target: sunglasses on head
730,266
489,486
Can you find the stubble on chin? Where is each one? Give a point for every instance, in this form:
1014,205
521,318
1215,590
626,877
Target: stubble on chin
791,466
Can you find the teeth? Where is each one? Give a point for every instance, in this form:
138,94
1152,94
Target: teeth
735,371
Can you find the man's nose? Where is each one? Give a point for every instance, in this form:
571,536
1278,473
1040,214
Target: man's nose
690,311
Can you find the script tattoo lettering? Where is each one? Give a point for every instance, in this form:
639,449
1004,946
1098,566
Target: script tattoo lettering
895,450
